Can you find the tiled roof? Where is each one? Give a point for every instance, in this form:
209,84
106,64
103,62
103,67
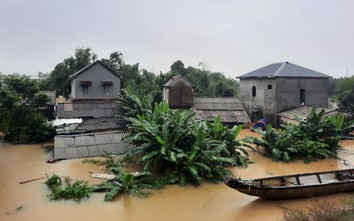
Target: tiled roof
94,124
230,110
82,109
90,145
284,69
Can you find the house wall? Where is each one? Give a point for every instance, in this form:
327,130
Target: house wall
96,74
288,92
283,95
262,105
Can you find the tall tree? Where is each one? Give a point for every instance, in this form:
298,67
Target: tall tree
344,93
59,77
178,68
19,102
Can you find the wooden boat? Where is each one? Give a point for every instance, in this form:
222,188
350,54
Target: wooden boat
297,185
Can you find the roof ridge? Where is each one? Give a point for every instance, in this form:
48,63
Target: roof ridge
280,68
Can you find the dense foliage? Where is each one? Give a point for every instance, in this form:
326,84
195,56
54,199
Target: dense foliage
210,84
66,190
344,93
19,116
317,136
182,150
126,182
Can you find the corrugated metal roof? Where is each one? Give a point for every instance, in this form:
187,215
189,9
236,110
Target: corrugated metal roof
221,103
98,62
174,78
90,145
284,69
304,111
82,109
230,110
94,124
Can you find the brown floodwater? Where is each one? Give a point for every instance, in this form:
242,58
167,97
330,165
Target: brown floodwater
208,202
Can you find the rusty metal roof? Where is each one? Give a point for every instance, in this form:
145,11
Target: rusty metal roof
90,108
230,110
90,145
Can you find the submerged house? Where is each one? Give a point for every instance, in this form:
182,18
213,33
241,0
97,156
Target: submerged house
280,87
93,92
178,92
92,110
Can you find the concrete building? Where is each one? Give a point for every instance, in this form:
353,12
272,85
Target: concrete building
95,81
280,87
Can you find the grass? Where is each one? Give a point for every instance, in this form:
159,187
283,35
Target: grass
326,210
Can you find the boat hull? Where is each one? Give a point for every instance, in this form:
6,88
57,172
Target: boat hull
323,183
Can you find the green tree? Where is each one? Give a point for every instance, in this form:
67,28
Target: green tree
115,62
178,68
180,148
59,77
344,93
19,119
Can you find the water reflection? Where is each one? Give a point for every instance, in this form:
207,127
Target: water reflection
208,202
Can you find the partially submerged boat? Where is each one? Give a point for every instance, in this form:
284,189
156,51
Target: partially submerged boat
296,185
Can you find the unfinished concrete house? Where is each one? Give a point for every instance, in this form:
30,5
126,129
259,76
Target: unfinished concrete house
280,87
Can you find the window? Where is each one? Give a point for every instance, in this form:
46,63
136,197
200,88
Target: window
85,85
106,90
302,96
106,87
253,91
269,86
85,89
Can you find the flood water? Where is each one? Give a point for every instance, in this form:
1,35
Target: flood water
207,202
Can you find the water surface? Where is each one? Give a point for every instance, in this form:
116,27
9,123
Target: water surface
207,202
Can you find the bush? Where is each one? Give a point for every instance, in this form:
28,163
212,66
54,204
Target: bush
65,191
316,136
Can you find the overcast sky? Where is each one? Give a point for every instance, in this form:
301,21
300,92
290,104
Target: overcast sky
231,36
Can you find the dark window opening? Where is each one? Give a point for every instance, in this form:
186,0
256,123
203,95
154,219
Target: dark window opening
85,89
106,90
269,86
302,96
253,91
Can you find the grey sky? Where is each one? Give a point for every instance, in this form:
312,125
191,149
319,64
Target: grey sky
231,36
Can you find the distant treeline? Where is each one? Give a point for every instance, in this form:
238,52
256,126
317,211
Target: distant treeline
207,83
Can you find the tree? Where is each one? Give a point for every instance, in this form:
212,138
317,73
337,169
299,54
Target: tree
178,68
115,62
59,77
344,93
19,102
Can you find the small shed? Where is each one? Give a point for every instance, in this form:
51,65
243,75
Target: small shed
230,110
178,92
90,145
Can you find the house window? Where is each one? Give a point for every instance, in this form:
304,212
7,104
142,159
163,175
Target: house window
302,96
253,91
106,87
106,90
85,89
269,86
85,85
